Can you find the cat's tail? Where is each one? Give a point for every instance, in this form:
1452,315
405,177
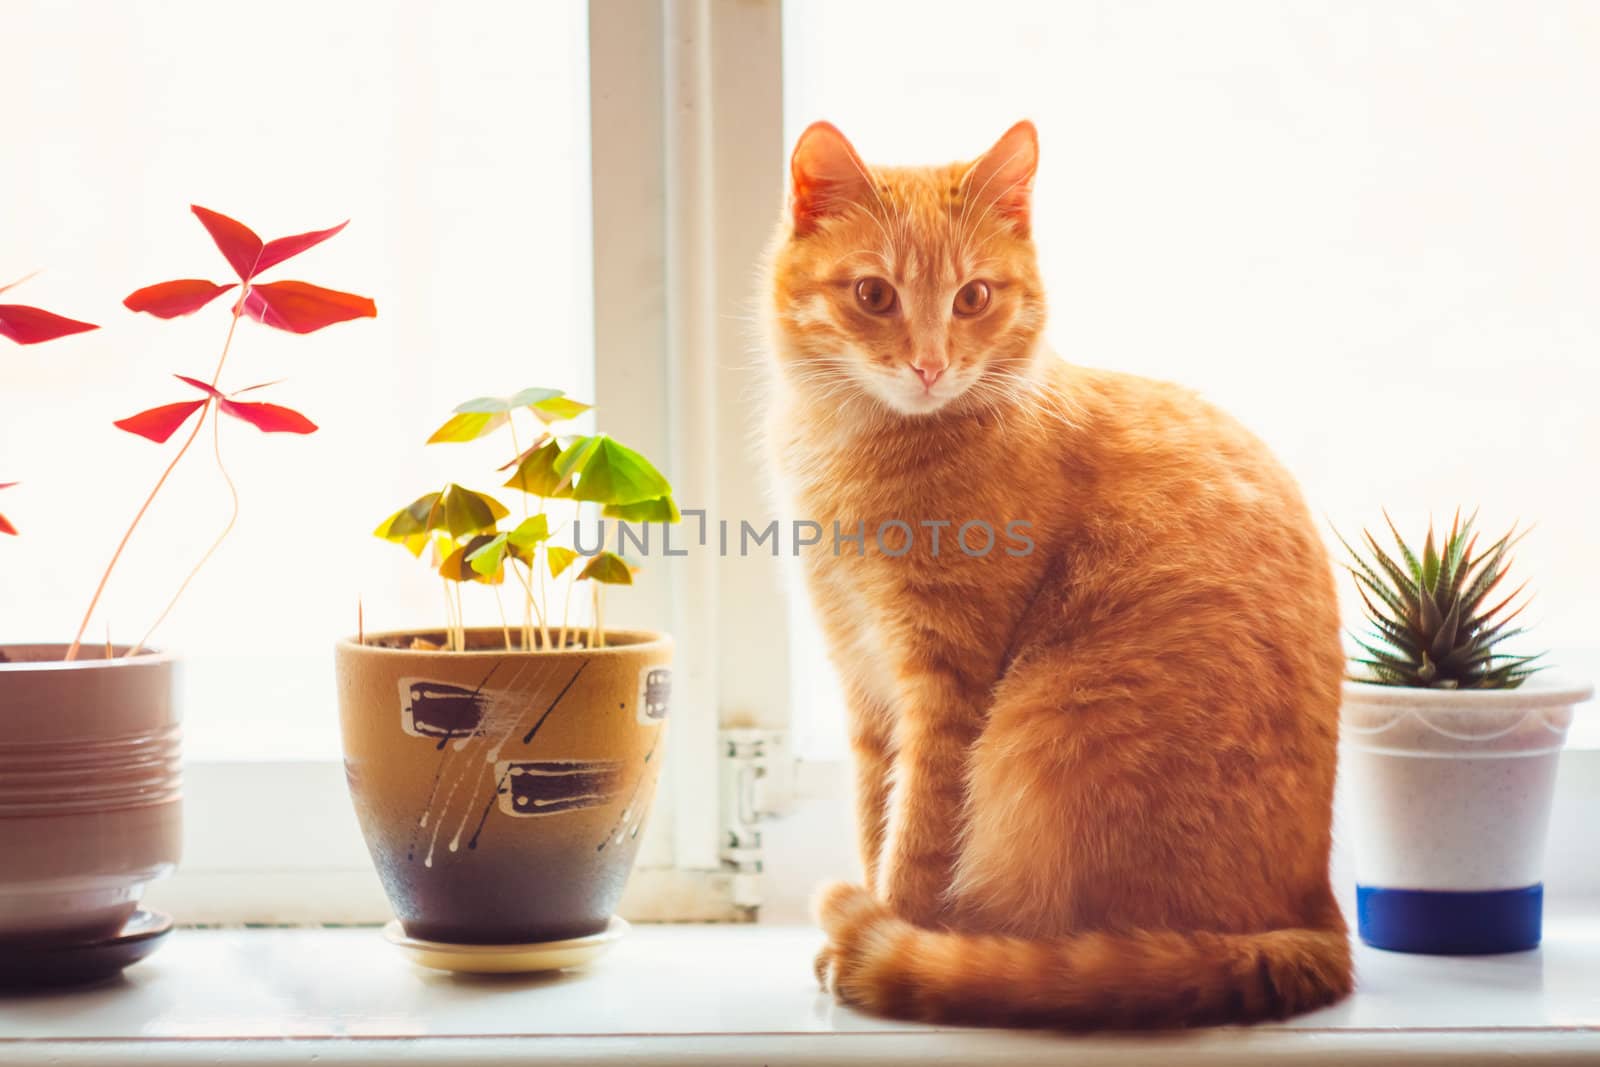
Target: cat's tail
1099,980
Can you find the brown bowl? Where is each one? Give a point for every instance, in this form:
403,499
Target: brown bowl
90,808
501,793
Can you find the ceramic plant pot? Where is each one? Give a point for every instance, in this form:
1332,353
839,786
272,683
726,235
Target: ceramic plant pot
501,793
89,789
1451,793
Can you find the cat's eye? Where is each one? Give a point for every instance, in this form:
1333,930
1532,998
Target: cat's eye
875,296
973,299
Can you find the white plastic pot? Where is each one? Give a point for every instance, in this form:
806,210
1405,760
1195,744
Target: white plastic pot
1450,793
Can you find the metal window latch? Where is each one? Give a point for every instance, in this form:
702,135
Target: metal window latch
756,785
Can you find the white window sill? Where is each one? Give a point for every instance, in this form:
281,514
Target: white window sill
736,994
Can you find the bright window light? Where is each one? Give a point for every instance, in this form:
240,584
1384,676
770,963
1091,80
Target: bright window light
457,143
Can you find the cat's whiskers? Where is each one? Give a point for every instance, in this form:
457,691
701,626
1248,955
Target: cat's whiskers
879,256
881,224
1004,404
988,208
824,375
966,207
867,178
1007,393
977,198
950,229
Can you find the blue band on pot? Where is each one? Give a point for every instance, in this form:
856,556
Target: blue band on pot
1446,923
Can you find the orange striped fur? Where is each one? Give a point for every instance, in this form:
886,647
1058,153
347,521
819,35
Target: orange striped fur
1094,780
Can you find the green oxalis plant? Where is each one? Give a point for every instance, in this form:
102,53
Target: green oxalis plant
461,532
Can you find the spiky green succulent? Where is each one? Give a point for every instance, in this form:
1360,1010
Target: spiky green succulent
1430,628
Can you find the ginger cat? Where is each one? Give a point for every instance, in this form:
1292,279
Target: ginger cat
1095,778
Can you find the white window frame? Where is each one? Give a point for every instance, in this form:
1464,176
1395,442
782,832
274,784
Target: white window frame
686,124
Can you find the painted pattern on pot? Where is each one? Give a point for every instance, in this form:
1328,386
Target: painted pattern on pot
502,793
550,787
441,710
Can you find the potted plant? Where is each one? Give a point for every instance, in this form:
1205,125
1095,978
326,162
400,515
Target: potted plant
89,764
1450,745
501,774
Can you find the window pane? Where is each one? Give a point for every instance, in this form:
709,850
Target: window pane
1368,230
456,139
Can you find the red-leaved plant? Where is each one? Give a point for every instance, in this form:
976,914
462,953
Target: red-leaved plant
5,524
30,326
298,307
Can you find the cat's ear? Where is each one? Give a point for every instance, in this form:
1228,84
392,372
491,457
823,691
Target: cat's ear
826,175
1003,176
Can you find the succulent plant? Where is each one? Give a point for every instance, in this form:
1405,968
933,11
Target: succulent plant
1430,628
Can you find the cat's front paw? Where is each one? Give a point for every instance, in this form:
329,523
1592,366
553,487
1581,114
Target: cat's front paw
856,923
823,967
838,908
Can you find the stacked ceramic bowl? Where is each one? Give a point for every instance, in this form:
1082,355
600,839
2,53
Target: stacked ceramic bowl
89,790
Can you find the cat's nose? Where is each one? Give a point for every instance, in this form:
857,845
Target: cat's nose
928,374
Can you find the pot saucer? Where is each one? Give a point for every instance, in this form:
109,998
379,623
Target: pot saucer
506,959
42,965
